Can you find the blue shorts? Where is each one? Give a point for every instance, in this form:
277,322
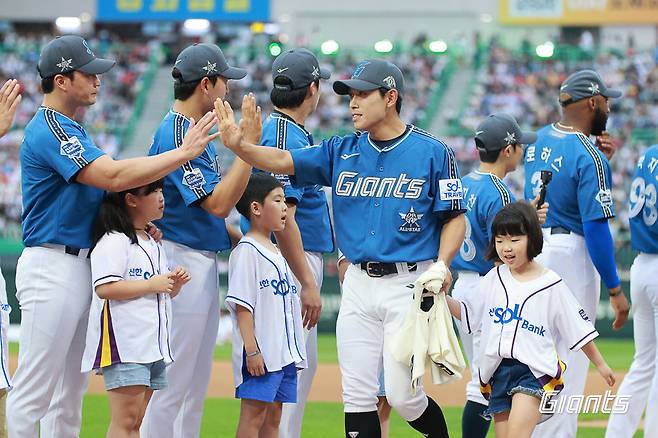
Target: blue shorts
280,386
152,375
511,377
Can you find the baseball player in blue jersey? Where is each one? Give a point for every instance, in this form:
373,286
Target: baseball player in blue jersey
296,78
640,385
397,207
198,200
499,141
578,245
63,177
10,97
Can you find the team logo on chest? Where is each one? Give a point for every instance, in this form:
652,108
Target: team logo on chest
410,221
71,148
280,286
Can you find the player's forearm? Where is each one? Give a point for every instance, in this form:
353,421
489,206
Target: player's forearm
292,249
229,190
452,237
116,176
234,234
266,158
602,251
123,290
593,354
246,325
454,306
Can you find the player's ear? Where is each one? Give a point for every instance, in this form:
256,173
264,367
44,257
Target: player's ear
254,207
130,200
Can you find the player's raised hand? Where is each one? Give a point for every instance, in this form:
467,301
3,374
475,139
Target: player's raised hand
620,305
154,232
197,136
229,130
311,306
9,99
251,123
606,145
162,283
256,365
180,276
542,211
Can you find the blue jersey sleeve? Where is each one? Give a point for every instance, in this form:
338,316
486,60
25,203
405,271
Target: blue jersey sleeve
314,164
195,179
446,184
71,149
594,187
276,133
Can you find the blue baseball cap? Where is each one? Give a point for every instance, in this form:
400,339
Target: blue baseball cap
69,53
372,74
583,84
500,130
296,68
200,60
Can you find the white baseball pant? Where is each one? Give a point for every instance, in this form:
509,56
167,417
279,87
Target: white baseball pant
293,413
467,284
54,291
372,311
176,411
567,255
641,382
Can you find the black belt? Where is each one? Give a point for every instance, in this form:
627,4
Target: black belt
74,251
560,230
379,269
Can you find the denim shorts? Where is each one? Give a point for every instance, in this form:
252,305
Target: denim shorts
510,377
152,375
280,386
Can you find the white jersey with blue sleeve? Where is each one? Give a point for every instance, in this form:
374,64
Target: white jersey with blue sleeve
390,204
57,209
580,190
484,195
261,281
185,221
127,331
643,212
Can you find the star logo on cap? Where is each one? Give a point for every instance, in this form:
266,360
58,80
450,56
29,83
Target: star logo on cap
66,64
389,81
563,86
478,133
593,88
511,138
210,68
316,72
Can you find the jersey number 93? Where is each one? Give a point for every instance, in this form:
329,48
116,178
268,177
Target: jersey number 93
643,199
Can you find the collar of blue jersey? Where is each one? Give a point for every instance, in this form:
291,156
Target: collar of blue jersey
562,131
479,172
176,113
44,107
400,139
279,115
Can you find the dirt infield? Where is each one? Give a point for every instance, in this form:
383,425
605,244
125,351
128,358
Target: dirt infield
327,388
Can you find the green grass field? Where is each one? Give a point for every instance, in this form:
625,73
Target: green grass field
325,419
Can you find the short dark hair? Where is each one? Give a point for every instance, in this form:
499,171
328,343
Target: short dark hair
259,186
183,90
489,156
398,103
517,219
48,84
289,98
113,215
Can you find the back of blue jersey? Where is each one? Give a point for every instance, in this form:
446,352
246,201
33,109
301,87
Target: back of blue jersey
389,204
57,209
580,190
484,195
184,220
643,213
312,213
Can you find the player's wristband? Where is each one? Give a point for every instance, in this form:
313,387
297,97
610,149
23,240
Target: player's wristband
255,353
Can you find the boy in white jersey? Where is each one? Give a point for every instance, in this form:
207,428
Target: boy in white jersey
524,312
268,337
130,317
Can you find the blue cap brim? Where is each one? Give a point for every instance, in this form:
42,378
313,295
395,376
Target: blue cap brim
612,93
97,66
234,73
324,73
344,87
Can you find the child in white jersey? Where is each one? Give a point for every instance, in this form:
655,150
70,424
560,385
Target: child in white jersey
268,339
130,315
524,310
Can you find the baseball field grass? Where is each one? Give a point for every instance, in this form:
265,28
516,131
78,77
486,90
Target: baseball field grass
323,419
